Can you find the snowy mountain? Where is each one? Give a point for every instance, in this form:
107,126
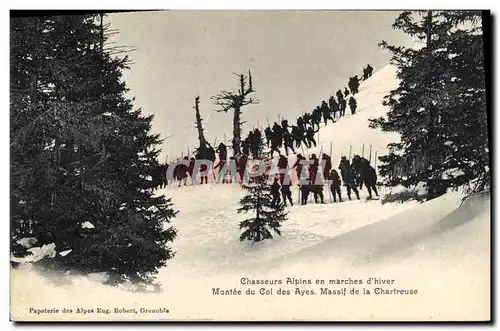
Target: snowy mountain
351,132
440,248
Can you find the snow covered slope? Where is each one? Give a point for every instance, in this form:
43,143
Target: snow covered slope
437,247
350,132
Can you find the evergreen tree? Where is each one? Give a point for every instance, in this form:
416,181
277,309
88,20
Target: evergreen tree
268,216
81,154
438,104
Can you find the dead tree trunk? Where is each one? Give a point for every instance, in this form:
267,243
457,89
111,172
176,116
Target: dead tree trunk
236,100
199,124
236,142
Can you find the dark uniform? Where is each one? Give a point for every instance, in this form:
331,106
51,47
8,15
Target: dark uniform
285,180
335,185
333,106
369,176
304,194
352,105
350,182
275,192
326,113
222,150
269,134
327,166
310,137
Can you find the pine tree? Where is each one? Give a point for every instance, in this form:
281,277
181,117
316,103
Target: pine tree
466,109
81,154
268,216
435,106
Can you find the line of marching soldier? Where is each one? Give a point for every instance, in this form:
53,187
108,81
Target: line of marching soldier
352,175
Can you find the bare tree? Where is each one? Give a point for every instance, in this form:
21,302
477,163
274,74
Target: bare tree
227,100
199,124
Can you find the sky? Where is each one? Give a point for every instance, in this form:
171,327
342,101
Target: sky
297,60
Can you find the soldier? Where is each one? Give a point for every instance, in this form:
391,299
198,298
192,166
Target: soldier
275,192
333,105
300,121
343,166
250,140
350,183
269,134
222,171
222,150
304,194
313,168
346,92
316,117
342,107
352,105
356,164
369,70
286,193
284,126
287,137
355,84
297,136
282,167
310,137
339,95
210,153
256,143
326,113
245,146
317,190
200,155
298,166
275,144
182,172
351,84
369,176
277,139
341,103
288,142
304,121
241,166
327,166
156,176
277,133
315,186
335,185
284,180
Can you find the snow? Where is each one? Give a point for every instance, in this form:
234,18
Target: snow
351,132
87,225
66,252
438,247
27,242
99,277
